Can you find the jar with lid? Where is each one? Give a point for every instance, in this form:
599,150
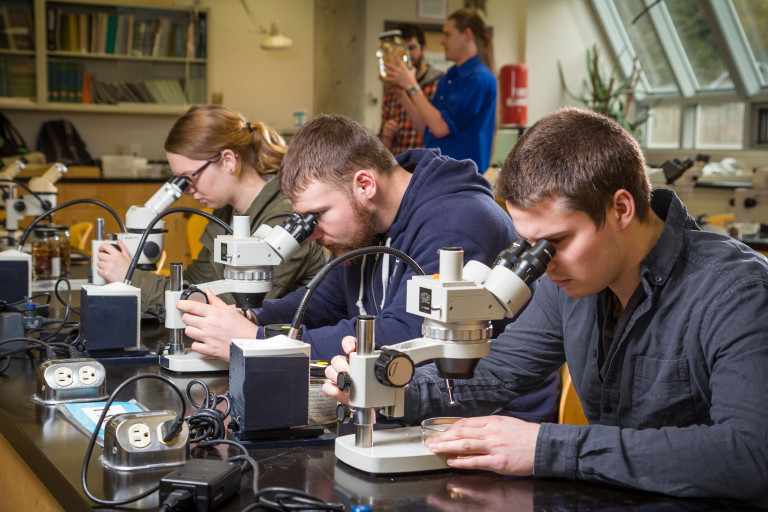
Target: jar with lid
46,253
65,241
392,49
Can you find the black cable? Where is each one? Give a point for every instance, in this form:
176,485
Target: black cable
244,457
95,435
32,224
285,499
31,344
43,203
67,304
315,282
207,422
180,209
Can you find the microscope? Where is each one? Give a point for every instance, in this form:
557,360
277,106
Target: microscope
248,270
15,265
458,306
41,199
680,176
137,218
746,198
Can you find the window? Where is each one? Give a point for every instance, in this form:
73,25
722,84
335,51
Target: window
705,66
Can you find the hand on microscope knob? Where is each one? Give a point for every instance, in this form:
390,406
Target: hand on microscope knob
339,364
214,325
113,261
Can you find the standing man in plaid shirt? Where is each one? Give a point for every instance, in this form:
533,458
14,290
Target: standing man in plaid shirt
397,132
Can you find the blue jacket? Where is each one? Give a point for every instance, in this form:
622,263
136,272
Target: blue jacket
683,405
466,99
447,203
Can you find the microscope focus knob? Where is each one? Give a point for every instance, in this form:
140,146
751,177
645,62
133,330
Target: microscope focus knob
19,206
343,381
393,368
343,413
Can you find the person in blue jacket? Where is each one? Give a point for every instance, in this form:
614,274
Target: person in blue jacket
362,196
663,327
461,118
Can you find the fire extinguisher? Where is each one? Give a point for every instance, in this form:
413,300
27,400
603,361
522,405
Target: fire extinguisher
514,95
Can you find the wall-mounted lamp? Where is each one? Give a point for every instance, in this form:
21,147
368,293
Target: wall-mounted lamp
276,40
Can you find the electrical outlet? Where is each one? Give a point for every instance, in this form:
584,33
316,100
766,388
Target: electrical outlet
70,380
133,441
138,435
88,375
63,376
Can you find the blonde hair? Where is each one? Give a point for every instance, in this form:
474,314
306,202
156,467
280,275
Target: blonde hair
204,131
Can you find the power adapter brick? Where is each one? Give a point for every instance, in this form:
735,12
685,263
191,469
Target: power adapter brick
210,481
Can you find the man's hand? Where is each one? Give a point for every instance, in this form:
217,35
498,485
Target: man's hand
493,443
339,364
214,325
113,263
401,75
388,131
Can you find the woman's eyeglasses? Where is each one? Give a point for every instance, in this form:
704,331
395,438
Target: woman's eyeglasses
189,178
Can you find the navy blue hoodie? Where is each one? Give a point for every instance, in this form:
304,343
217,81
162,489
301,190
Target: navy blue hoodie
446,204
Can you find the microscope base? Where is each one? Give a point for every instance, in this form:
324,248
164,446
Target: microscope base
192,361
397,450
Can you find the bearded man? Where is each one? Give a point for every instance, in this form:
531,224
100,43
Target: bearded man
363,196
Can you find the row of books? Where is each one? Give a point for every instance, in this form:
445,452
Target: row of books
69,82
17,28
125,34
17,80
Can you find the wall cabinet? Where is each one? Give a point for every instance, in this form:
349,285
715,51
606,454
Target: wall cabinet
102,56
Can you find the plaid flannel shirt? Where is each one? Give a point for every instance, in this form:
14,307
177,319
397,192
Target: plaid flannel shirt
407,136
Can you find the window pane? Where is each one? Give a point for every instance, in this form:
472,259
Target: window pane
753,15
664,127
720,126
645,44
699,44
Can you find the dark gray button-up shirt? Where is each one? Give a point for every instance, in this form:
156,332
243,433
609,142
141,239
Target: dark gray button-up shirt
683,407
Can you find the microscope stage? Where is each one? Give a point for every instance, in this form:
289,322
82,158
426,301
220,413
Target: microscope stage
192,361
397,450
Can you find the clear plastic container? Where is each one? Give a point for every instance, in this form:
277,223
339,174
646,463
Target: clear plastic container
65,241
46,253
392,49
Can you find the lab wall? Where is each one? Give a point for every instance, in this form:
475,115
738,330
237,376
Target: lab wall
269,86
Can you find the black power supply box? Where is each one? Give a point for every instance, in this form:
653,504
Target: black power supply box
210,481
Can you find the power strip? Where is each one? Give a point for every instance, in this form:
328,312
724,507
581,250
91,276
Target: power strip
70,380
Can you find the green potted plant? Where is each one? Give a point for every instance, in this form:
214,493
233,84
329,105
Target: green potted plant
609,94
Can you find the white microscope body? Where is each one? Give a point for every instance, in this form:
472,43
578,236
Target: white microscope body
457,306
248,262
137,218
18,206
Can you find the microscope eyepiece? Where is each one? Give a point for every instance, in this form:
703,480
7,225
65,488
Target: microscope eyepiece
509,256
533,262
300,227
180,182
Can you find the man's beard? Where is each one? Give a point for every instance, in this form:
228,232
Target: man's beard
365,234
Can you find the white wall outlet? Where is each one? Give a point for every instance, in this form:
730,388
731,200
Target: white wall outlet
63,376
139,435
87,375
70,380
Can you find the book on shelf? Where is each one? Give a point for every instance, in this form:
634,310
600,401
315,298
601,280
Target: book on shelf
52,27
22,80
18,31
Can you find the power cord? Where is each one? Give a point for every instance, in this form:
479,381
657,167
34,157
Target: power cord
284,499
207,422
169,429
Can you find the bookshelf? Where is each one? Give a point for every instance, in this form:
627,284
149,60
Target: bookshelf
102,56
